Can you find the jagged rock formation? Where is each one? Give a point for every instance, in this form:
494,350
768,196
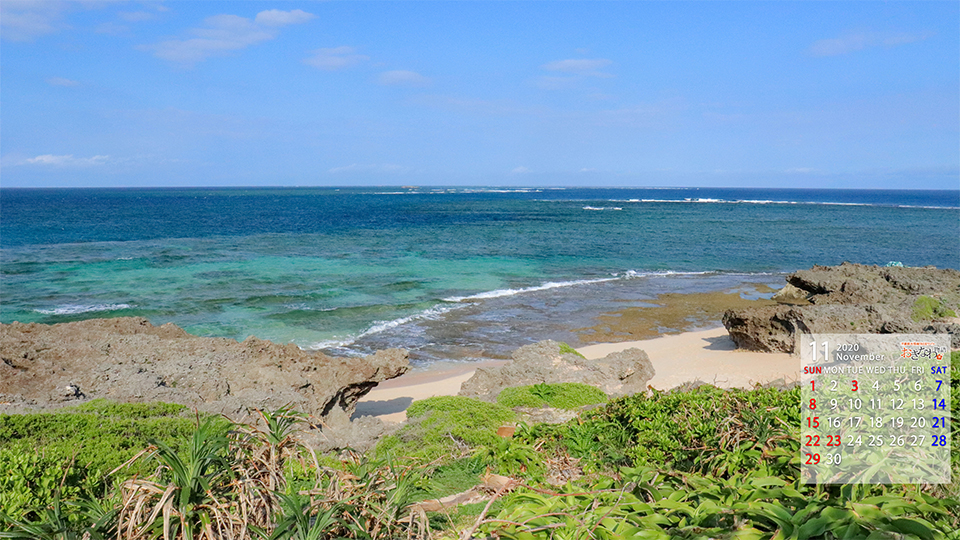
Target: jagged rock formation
128,359
618,374
851,299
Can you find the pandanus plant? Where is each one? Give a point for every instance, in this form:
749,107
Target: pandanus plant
189,498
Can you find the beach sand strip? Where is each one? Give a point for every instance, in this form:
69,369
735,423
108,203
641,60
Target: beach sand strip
705,355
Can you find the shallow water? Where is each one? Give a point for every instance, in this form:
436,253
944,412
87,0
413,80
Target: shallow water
450,274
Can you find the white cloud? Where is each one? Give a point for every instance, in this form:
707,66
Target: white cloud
520,170
66,160
275,17
335,58
403,78
27,20
60,81
222,34
858,41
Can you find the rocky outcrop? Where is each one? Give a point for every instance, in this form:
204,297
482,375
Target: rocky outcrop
618,374
792,295
849,299
129,359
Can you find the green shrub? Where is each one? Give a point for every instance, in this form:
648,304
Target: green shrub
561,396
702,430
953,489
713,430
513,457
95,437
30,481
446,424
927,308
657,504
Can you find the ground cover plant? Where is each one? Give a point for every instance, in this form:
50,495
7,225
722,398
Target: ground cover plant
73,449
647,503
702,463
446,425
927,308
559,395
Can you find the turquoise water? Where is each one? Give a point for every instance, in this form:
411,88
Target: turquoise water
448,273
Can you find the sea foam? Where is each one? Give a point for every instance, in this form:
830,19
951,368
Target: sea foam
73,309
498,293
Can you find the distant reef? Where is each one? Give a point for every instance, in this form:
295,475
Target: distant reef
130,360
852,299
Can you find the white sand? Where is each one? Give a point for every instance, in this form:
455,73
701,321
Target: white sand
707,355
389,399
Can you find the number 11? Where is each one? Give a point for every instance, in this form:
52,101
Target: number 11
813,349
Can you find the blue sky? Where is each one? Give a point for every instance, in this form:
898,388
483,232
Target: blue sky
771,94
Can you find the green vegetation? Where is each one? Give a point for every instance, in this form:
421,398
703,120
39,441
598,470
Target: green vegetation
79,446
703,463
569,396
97,435
445,425
649,503
30,480
567,349
927,308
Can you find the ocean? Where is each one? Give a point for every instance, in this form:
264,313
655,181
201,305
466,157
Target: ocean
449,273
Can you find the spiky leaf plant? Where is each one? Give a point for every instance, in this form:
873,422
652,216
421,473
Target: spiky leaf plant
189,499
302,519
259,456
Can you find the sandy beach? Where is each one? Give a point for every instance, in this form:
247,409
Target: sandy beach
389,399
706,355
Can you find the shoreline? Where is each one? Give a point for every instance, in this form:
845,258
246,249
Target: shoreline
705,355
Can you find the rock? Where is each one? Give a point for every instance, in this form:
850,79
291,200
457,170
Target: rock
618,374
544,415
72,391
130,360
849,298
359,435
791,295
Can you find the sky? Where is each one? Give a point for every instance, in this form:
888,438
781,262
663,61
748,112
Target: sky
862,94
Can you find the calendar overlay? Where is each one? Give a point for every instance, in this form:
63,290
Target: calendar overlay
875,409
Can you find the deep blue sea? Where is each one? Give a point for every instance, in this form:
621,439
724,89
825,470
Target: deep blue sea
454,273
